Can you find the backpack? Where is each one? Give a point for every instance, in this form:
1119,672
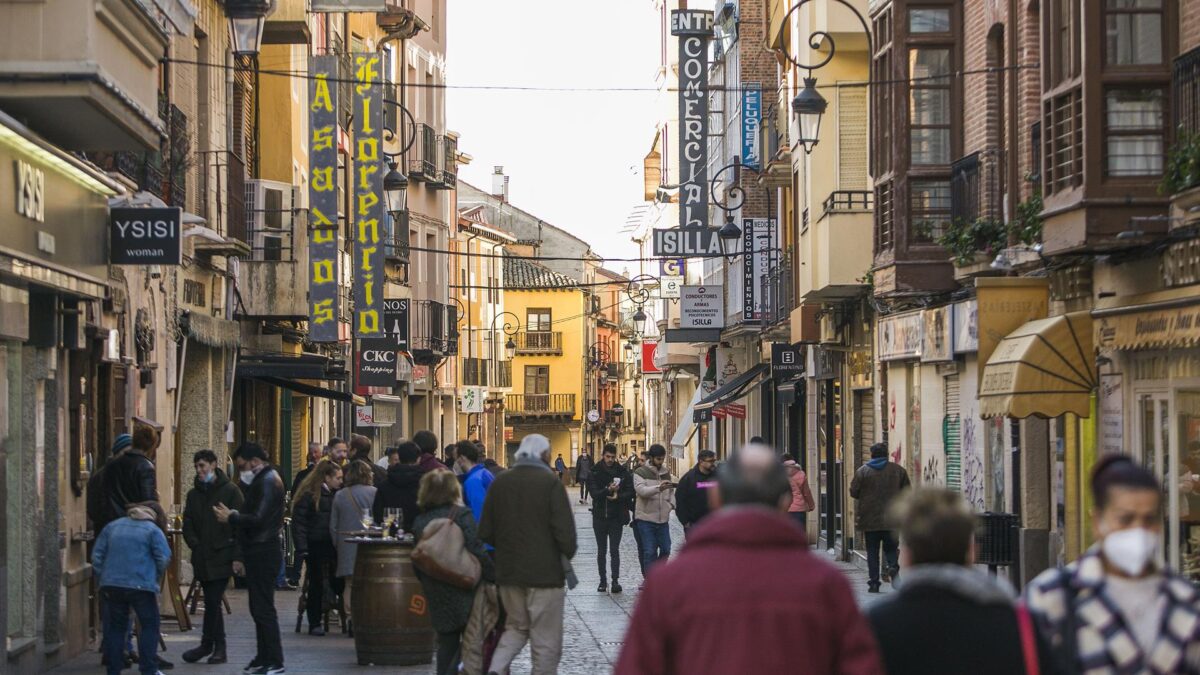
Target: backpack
442,554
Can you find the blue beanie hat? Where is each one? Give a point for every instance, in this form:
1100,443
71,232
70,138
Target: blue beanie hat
123,441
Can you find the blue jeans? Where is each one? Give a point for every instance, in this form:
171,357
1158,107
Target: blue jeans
656,542
117,603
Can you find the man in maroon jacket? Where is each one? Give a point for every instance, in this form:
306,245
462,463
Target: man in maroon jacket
745,595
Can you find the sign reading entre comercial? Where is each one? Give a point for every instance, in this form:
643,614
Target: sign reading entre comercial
701,307
323,201
694,28
368,195
146,236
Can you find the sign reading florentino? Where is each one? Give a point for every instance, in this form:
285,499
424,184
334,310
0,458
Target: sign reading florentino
368,196
701,307
323,202
146,236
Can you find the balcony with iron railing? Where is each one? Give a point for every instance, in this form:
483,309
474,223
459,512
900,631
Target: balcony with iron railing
1185,86
539,407
449,162
430,332
475,372
503,375
539,342
778,292
833,238
427,161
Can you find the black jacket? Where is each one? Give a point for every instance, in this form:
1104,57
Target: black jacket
300,476
213,545
875,488
950,619
259,520
126,480
604,508
378,472
691,500
310,522
399,491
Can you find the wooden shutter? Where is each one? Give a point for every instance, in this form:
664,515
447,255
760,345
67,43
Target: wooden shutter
852,138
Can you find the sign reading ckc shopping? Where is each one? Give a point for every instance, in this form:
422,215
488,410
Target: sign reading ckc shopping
376,363
140,236
701,307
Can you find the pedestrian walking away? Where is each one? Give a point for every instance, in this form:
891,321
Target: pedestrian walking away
949,617
1117,609
802,497
875,485
214,549
611,488
745,594
312,511
400,490
475,478
583,470
527,517
130,556
692,495
440,498
257,526
349,504
655,501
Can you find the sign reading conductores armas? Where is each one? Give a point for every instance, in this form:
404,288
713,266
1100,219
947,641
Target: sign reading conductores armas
145,236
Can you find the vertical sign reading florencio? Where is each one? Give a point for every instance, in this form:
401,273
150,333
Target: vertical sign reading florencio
693,28
368,196
323,202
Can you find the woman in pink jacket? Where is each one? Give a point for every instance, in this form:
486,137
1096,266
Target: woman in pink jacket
802,499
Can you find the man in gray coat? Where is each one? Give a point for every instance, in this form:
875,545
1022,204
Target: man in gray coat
876,484
527,517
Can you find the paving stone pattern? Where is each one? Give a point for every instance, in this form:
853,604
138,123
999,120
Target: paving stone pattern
594,623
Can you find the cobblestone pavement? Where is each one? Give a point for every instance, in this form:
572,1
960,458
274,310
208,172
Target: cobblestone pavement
594,625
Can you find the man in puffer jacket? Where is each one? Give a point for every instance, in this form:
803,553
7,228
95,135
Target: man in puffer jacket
655,501
875,485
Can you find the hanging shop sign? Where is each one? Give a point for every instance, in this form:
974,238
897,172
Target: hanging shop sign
752,125
900,336
728,365
692,242
1006,304
701,307
758,244
323,201
649,349
862,368
672,267
668,287
694,28
966,327
395,321
471,400
368,204
937,335
376,363
1112,413
787,360
145,236
703,416
824,366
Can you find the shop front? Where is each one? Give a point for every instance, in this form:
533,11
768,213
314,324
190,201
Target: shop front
1149,404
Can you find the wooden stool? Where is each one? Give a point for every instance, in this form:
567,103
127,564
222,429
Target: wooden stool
193,597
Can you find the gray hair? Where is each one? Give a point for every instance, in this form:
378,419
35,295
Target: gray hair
753,476
316,446
534,446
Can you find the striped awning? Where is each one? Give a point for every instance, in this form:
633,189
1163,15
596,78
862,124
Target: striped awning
1045,368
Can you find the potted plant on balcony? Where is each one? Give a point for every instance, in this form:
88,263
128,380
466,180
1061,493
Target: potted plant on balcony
1181,175
973,243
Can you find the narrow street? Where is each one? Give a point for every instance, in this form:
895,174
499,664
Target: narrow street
594,626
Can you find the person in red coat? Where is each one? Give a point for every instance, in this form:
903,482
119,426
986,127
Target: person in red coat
745,595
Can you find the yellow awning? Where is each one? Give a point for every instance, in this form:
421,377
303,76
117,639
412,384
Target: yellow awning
1044,368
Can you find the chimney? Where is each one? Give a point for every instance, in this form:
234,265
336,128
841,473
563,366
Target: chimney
499,184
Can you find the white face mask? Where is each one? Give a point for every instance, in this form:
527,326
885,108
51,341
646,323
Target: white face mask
247,476
1130,550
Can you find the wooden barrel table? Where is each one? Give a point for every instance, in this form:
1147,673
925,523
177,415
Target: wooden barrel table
388,607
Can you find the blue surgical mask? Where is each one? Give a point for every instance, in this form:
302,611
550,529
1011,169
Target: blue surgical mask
208,477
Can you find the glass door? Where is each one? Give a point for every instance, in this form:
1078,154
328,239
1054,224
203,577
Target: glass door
1183,525
1154,453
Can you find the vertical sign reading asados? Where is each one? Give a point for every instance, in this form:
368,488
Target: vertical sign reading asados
693,28
323,202
368,196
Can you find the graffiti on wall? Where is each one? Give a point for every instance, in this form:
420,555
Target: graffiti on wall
972,465
931,474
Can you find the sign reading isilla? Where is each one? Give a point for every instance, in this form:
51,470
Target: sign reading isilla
368,196
145,236
323,202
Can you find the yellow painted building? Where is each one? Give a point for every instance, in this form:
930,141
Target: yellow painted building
548,372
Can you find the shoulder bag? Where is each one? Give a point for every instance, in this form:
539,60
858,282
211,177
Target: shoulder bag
442,553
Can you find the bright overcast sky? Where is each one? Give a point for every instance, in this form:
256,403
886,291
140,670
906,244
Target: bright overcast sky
574,158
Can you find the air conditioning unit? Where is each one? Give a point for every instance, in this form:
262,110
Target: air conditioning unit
269,217
829,329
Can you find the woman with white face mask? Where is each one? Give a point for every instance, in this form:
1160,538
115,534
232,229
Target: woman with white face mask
1116,609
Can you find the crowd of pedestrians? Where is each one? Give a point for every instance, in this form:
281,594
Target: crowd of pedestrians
495,549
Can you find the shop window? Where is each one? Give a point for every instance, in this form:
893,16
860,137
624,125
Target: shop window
1133,120
929,105
1133,32
929,205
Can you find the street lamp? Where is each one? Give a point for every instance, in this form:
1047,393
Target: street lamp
638,292
510,348
510,329
246,21
735,196
809,105
639,321
395,186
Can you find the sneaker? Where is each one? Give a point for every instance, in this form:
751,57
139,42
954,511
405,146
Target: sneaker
252,668
616,588
602,588
270,670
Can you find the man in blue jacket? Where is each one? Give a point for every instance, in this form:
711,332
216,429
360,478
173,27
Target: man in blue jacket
130,556
476,478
